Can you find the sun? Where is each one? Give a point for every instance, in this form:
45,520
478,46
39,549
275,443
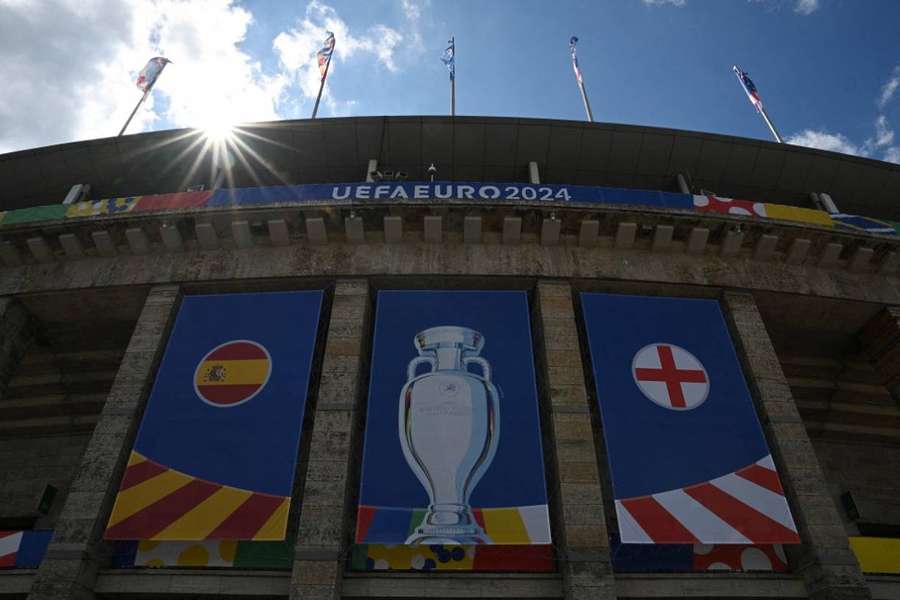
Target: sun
218,123
218,131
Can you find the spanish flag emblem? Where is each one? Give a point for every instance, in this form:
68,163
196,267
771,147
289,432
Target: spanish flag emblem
232,373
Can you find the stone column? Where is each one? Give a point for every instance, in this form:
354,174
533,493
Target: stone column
15,333
583,550
828,566
321,549
69,569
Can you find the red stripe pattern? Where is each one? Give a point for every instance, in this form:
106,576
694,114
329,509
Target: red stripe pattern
747,506
666,528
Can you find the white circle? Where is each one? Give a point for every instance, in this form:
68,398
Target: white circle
258,390
648,358
754,559
718,566
703,549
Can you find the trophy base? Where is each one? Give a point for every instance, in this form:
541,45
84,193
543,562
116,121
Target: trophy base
428,536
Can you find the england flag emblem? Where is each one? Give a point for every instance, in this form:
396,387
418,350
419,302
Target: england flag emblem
670,376
691,466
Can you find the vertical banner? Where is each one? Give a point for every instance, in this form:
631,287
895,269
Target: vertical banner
688,458
453,439
216,452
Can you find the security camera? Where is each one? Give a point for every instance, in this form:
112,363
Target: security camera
432,172
400,175
376,175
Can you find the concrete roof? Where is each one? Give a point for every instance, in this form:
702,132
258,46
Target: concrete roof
463,149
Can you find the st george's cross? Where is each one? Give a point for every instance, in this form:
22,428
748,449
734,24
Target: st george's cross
670,376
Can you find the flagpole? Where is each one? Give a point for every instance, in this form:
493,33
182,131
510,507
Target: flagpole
587,105
453,80
322,85
579,78
768,121
136,106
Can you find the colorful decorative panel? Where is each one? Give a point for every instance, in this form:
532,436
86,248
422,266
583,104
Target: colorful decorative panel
23,549
440,557
453,439
205,553
877,555
687,456
688,558
108,207
865,224
216,452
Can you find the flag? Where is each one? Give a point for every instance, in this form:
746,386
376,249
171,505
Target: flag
749,87
687,455
572,42
449,57
148,75
324,53
216,451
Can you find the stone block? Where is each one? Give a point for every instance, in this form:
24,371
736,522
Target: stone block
578,472
315,573
573,426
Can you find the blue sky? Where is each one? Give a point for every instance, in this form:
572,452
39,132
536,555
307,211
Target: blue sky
828,70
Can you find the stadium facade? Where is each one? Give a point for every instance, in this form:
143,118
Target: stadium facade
452,358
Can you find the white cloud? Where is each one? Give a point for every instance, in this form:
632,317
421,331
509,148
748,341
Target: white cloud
678,3
296,47
824,140
889,88
68,67
884,135
806,7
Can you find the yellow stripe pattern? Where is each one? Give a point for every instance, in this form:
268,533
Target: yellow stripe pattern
505,526
275,528
140,496
201,520
233,372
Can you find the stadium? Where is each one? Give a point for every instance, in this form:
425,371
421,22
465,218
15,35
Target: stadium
410,357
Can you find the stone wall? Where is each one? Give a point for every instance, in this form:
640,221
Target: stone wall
28,464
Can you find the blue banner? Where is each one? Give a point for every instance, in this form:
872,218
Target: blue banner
453,437
471,191
688,459
222,426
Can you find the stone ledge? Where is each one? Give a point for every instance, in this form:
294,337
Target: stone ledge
212,583
452,585
16,582
709,585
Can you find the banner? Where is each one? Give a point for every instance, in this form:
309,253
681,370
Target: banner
453,439
688,459
216,452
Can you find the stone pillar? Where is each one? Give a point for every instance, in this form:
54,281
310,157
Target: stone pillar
321,549
584,545
15,333
828,566
69,569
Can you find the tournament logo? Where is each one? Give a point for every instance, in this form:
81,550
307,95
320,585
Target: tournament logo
670,376
232,373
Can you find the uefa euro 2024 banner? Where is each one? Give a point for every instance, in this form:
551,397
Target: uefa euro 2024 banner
453,440
687,455
217,448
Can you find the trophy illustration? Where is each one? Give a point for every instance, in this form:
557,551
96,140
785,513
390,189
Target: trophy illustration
449,426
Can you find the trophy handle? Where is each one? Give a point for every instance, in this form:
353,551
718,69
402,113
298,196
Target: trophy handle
485,365
414,363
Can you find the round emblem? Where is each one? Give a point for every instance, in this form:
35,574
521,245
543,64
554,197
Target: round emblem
670,376
232,373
